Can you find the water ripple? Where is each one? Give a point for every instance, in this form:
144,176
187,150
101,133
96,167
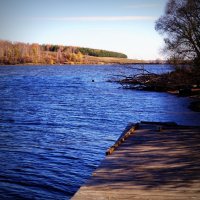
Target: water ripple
56,124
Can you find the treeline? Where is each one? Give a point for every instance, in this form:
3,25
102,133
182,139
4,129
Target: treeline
101,53
180,26
23,53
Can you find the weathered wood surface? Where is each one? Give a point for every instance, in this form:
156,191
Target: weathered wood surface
152,164
122,138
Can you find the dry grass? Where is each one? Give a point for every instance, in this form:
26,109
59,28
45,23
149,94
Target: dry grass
111,60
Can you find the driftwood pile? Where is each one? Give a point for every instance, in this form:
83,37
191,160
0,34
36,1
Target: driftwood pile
181,82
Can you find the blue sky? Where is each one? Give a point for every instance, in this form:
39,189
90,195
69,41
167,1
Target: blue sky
125,26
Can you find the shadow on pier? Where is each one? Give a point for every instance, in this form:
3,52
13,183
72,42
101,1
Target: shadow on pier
152,162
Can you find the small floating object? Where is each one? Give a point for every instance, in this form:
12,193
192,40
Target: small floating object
159,128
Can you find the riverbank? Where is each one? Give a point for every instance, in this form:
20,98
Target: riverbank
122,61
194,95
181,82
92,60
48,54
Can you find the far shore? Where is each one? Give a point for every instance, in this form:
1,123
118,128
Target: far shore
89,64
92,60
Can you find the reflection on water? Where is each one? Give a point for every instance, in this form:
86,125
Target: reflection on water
56,124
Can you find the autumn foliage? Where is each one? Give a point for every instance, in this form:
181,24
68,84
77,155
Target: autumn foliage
22,53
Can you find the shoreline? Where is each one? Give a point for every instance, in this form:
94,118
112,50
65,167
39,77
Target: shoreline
88,64
195,100
92,60
180,82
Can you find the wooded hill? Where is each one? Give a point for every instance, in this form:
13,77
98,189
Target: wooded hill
22,53
100,53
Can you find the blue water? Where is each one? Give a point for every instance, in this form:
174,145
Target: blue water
56,124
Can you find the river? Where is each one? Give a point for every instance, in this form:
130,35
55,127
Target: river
56,123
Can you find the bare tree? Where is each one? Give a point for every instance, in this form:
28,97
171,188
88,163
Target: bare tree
181,27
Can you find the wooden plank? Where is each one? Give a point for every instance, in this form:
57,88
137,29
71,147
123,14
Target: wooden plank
152,163
122,138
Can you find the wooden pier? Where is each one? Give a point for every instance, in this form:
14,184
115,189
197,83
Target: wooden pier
150,161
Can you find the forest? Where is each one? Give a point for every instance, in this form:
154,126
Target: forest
101,53
12,53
